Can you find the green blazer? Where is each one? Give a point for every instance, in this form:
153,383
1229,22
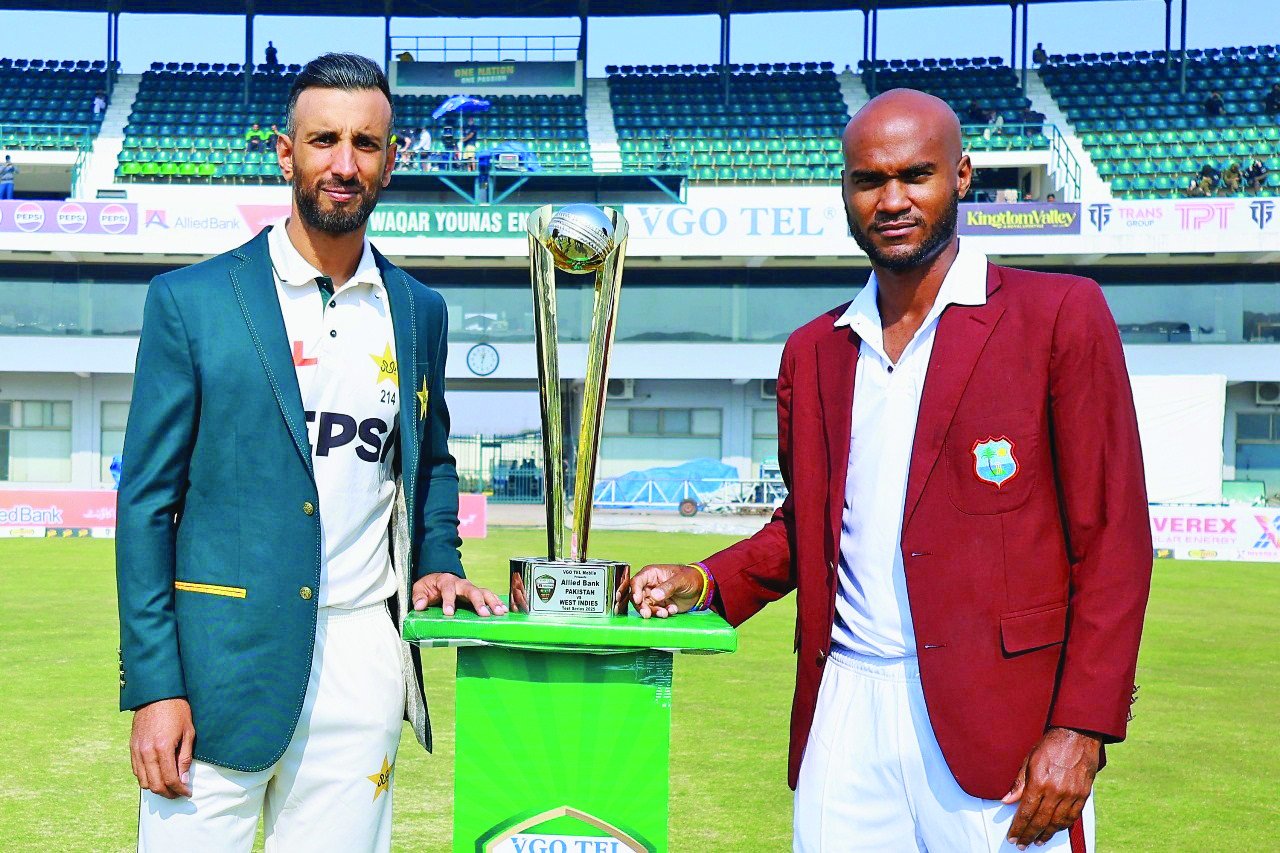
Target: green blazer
218,532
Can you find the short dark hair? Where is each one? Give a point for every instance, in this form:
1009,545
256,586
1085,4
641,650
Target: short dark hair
347,71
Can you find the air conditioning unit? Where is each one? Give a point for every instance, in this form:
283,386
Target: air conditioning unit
1267,393
768,389
621,389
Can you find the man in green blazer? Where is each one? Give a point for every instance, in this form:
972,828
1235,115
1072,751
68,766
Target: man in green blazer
287,496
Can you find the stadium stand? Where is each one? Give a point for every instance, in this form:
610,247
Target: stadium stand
48,103
553,127
189,123
781,122
1148,138
994,111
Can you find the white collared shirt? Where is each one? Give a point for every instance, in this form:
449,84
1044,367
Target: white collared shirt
344,354
873,616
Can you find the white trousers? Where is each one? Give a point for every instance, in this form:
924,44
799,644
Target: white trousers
873,777
332,788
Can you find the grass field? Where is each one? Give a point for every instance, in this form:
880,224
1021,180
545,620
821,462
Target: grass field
1199,772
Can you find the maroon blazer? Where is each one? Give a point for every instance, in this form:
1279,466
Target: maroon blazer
1028,596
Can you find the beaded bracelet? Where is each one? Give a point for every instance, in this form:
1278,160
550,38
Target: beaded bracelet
708,589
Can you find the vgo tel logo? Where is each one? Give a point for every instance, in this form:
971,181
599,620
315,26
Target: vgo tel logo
72,217
28,216
113,218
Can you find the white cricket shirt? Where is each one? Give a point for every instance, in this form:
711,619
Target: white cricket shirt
344,354
872,613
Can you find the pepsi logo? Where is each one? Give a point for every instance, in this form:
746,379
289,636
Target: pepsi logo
28,216
72,217
114,218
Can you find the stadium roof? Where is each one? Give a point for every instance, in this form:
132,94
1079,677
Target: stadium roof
483,8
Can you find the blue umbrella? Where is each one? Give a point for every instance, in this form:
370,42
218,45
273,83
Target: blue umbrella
461,103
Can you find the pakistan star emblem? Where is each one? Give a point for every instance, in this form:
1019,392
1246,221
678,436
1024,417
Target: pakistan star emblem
387,368
382,779
423,396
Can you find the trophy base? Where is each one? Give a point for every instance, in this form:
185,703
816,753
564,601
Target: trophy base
549,588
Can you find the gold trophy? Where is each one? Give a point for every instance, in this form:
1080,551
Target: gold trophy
578,238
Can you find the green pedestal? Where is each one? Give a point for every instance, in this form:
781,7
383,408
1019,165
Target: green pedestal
564,727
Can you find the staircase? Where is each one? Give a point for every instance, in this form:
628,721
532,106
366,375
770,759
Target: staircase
1092,186
100,167
853,89
602,134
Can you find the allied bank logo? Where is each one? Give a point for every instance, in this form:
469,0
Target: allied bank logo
994,462
1269,538
1261,211
1099,215
156,219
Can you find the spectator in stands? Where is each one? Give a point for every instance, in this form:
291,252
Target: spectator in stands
272,136
1211,174
99,104
1232,178
1051,198
404,56
1214,105
255,138
1255,176
469,145
667,159
1273,100
1196,188
8,172
1039,56
423,145
273,60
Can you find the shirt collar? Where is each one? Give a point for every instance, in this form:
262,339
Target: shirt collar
964,284
293,269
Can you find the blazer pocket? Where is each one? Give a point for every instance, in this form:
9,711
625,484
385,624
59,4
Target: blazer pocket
991,462
211,589
1023,632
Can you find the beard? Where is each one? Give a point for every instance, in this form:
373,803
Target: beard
337,220
935,240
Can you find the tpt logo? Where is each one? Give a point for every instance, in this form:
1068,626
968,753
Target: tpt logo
1099,215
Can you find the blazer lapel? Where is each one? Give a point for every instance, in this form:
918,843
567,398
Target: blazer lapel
255,289
836,359
961,335
404,323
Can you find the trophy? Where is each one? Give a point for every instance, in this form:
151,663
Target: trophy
578,238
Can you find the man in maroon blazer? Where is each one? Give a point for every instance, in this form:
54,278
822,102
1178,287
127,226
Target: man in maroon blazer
966,527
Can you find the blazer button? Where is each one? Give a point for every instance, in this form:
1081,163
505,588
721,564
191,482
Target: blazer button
308,507
822,658
305,593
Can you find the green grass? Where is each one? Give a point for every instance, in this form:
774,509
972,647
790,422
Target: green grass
1198,772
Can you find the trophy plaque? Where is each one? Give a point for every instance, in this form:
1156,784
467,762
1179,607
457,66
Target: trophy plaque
580,239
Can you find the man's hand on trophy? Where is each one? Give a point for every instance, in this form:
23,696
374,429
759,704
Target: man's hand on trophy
666,589
449,590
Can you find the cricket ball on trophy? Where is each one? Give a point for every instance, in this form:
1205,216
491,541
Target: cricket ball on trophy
580,237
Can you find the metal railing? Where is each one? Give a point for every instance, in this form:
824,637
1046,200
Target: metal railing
52,137
1064,168
486,48
465,162
508,468
691,496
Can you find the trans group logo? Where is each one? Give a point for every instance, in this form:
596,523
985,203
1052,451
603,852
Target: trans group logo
1099,216
1260,211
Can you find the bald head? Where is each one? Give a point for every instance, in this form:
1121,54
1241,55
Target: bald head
906,112
905,171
